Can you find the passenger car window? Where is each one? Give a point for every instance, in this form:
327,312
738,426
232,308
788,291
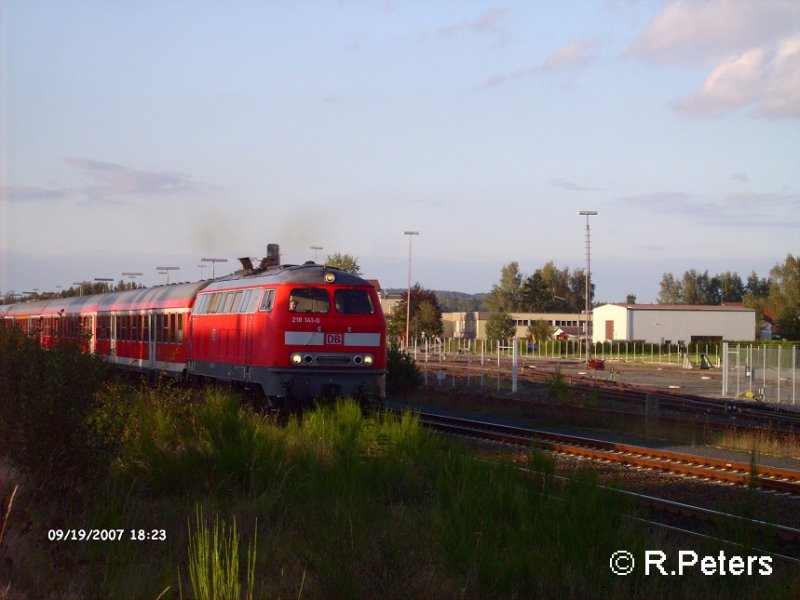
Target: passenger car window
353,302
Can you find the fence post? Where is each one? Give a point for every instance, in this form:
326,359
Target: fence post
514,366
426,361
498,365
724,369
779,374
794,372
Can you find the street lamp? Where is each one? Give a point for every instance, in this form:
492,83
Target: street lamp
166,270
587,214
213,262
410,235
315,249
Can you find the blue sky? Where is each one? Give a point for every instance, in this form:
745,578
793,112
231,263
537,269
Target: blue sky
137,134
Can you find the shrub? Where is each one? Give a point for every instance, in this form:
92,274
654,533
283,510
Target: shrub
51,423
402,372
557,388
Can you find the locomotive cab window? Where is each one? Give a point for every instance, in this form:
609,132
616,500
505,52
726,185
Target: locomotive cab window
313,300
353,302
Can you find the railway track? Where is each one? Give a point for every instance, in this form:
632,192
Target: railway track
680,518
783,481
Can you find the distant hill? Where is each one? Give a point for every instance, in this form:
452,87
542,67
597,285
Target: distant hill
448,300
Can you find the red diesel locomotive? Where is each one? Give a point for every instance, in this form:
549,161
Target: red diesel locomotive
296,332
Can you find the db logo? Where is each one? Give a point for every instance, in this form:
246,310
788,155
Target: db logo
334,339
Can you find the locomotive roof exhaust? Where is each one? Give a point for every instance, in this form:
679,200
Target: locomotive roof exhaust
272,259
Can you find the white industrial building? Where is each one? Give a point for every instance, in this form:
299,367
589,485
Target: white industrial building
662,323
472,325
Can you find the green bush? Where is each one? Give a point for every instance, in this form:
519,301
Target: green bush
57,424
557,388
402,372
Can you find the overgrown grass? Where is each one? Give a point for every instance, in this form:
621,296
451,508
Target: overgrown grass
47,402
214,560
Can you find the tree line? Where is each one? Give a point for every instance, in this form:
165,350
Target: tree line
776,296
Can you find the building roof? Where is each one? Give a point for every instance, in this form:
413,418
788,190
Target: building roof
686,307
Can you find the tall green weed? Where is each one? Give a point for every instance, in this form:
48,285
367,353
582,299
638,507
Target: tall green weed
54,422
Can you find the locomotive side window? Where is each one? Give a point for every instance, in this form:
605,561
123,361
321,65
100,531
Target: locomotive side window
246,301
213,303
267,301
202,302
237,301
228,302
353,302
314,300
250,306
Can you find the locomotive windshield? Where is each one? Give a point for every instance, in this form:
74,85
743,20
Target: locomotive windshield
313,300
353,302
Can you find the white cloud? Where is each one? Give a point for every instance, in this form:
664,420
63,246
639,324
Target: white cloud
782,87
109,183
112,179
746,209
768,82
490,21
688,32
571,186
751,48
573,55
568,58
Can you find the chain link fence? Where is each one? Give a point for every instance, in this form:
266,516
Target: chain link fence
763,372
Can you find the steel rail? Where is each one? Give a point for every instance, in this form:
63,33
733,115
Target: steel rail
739,473
788,535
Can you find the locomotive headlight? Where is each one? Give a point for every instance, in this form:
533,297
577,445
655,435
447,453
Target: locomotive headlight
329,277
296,358
369,359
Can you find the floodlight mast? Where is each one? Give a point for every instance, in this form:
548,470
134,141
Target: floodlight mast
166,270
410,235
213,262
587,278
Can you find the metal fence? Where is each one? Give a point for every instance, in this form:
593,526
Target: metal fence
628,351
763,372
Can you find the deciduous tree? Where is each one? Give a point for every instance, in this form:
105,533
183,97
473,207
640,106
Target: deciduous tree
784,296
345,262
500,326
506,296
426,315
